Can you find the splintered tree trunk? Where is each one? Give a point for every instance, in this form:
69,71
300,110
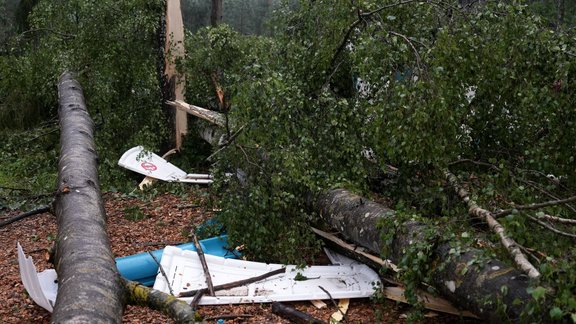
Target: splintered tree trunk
467,279
89,285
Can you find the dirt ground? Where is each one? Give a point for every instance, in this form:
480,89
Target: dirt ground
168,219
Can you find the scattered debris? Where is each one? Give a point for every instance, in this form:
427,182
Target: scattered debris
139,160
293,314
143,267
395,293
430,302
186,273
318,303
42,287
338,315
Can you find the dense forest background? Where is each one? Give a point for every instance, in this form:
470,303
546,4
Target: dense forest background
379,97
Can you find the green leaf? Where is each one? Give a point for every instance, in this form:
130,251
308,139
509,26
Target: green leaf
556,313
538,292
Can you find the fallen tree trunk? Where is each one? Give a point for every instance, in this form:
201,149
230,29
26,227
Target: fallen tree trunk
90,288
478,289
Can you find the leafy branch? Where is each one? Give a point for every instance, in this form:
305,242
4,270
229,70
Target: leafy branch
361,17
534,206
485,215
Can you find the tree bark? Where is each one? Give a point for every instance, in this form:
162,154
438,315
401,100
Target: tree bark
175,82
90,288
89,285
216,13
478,289
178,310
294,315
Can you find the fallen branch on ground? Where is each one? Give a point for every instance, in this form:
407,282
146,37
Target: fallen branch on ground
234,284
204,266
294,315
158,243
163,272
40,210
227,316
551,218
483,214
141,295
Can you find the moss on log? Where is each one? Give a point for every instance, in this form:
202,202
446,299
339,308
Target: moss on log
177,309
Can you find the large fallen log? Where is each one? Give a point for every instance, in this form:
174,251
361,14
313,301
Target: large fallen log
469,283
90,288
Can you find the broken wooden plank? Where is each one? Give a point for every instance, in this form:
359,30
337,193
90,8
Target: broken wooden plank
430,302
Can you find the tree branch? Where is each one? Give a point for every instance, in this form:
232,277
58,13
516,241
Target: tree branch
163,272
176,309
416,54
213,117
234,284
534,206
361,18
552,228
483,214
40,210
551,218
204,265
368,14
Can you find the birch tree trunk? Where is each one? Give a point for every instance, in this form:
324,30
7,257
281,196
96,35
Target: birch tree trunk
89,285
467,279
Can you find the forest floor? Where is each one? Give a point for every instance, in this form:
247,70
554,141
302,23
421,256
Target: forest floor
133,225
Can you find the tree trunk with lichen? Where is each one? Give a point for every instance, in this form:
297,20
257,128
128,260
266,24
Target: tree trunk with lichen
90,288
468,279
178,310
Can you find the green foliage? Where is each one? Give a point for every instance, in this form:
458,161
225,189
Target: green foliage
557,13
29,167
7,23
442,83
284,150
113,47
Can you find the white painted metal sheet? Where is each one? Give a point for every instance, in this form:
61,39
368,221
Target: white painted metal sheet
151,165
42,287
185,273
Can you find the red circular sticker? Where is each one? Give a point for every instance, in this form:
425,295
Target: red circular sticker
148,166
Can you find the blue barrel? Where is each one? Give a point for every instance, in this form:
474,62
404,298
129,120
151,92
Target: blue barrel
143,269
